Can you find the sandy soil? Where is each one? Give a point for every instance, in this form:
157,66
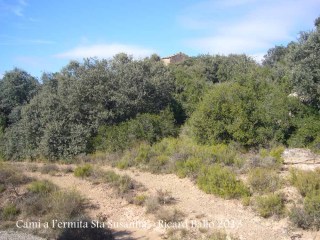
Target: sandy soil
199,207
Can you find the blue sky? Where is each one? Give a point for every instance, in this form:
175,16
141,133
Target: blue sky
43,36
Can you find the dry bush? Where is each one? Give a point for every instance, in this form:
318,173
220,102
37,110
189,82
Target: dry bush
49,169
152,204
170,215
165,197
263,180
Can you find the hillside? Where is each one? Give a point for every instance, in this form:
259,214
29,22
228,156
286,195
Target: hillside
213,140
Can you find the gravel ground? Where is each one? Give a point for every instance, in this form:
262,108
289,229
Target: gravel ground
11,235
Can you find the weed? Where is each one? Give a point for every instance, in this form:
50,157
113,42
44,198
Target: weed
64,205
306,182
139,199
152,204
300,218
170,215
271,204
2,187
264,180
165,197
42,187
83,171
276,153
9,212
246,200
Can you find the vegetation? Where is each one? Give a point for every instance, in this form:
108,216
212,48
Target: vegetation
41,200
307,182
271,204
83,171
209,118
264,180
221,181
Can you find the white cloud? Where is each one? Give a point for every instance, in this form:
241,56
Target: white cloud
245,26
105,51
16,7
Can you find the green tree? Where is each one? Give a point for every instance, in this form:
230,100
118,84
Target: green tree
17,87
252,113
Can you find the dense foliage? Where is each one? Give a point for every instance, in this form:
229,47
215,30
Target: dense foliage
111,105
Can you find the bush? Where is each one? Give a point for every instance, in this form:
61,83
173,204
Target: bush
170,216
264,180
139,199
83,171
123,164
42,187
219,235
252,113
272,204
189,168
165,197
222,182
65,205
307,132
300,218
2,188
307,182
145,127
152,204
308,216
49,169
276,153
10,175
312,208
9,212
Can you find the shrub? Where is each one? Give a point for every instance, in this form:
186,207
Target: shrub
307,182
246,201
111,177
152,204
189,168
123,164
268,205
300,218
49,169
307,132
11,175
263,180
139,199
145,127
9,212
83,171
164,197
222,182
219,235
2,188
246,112
124,184
65,205
276,152
158,164
143,153
312,208
42,187
170,215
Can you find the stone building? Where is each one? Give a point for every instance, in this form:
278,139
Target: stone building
176,58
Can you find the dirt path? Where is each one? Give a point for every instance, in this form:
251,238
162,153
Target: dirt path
106,204
229,215
199,207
